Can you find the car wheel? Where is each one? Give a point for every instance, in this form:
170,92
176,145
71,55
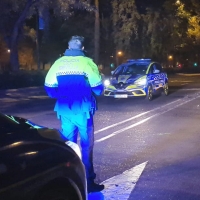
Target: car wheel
166,89
57,194
149,93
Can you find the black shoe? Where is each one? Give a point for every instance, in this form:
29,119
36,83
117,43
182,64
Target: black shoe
94,188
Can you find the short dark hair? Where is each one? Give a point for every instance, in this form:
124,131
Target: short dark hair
76,42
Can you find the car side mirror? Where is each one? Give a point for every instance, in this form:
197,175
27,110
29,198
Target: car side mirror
156,71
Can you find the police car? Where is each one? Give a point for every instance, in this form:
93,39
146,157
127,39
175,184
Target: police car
139,77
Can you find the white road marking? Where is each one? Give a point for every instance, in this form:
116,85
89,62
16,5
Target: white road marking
188,74
129,119
120,186
189,89
144,120
183,85
162,134
182,81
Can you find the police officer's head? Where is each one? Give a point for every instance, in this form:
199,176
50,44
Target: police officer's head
76,42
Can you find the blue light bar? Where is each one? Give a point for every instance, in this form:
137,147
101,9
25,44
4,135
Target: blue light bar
139,60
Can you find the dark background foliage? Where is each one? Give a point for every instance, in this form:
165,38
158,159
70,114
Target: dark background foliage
166,30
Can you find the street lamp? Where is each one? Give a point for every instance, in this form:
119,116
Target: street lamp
170,57
8,50
119,53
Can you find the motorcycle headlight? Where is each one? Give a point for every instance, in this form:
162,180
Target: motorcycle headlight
106,82
141,81
75,147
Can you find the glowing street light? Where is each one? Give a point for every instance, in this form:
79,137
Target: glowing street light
119,53
170,61
8,50
170,57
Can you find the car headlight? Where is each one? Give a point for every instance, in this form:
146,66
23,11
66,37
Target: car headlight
141,81
75,147
106,82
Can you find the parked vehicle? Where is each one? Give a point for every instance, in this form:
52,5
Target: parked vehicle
38,164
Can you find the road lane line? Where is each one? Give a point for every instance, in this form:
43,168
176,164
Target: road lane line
175,81
185,89
105,138
136,116
143,121
190,89
120,186
182,74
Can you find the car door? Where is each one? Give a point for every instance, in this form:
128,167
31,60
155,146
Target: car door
161,75
153,76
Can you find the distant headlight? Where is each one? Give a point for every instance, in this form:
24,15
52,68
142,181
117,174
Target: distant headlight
141,81
75,147
106,82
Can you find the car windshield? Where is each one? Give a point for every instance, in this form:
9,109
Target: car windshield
136,68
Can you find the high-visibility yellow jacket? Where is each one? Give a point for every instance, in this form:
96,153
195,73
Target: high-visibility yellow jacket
72,80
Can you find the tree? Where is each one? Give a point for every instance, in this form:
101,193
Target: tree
163,31
13,14
192,15
26,58
125,23
60,31
194,28
158,33
26,48
188,13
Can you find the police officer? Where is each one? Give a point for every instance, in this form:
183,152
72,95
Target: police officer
72,80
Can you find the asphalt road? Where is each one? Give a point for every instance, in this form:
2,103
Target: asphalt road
165,133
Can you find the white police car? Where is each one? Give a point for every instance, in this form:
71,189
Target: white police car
140,77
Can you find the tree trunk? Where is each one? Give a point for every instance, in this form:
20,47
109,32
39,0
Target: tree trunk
96,33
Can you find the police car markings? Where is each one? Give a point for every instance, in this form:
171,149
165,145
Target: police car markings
139,115
120,186
144,120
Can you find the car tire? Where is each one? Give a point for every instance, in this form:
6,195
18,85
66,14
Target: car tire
57,194
149,93
166,89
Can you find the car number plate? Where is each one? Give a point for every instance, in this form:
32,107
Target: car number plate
121,96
